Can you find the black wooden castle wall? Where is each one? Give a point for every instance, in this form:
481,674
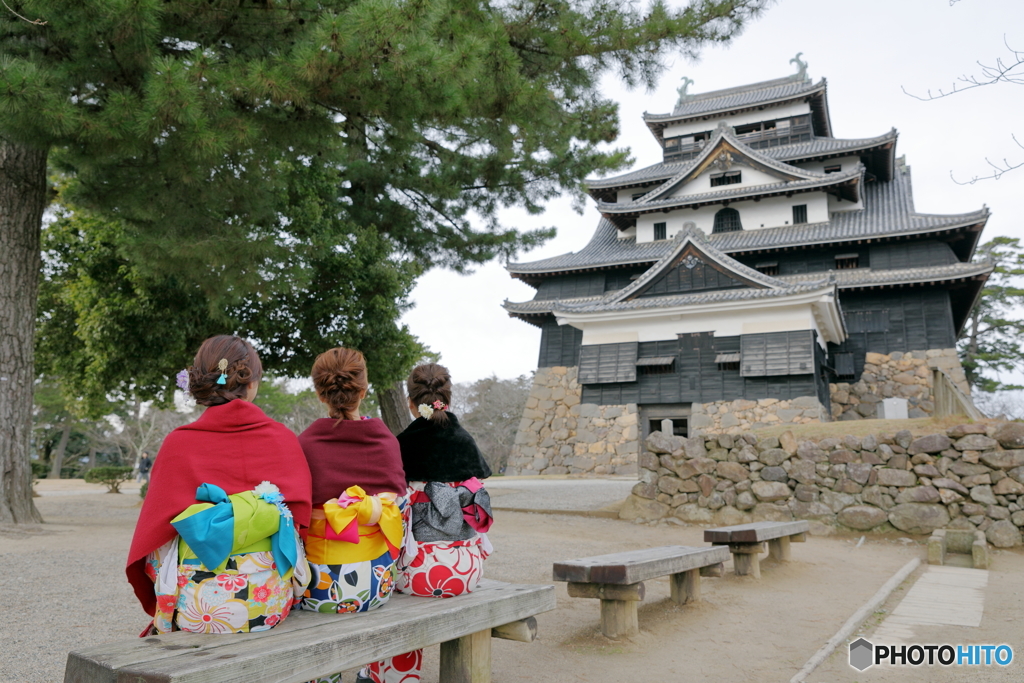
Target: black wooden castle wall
901,320
889,255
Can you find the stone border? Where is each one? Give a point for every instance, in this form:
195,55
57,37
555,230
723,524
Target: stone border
970,477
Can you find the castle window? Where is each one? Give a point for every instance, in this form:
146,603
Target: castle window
728,361
727,220
868,321
799,214
844,366
833,169
768,268
660,231
727,178
847,261
662,365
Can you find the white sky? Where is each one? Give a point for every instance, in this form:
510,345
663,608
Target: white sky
867,50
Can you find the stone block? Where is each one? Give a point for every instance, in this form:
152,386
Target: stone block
732,471
944,483
926,470
837,501
774,474
845,485
668,484
1008,486
975,442
997,512
932,443
745,500
918,494
808,450
769,491
918,518
983,495
803,471
842,456
693,514
1010,435
635,507
949,497
976,480
730,516
891,477
810,510
967,469
706,483
1003,534
1003,460
903,438
772,512
862,517
773,456
806,493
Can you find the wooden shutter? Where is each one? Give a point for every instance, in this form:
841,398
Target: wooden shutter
608,363
777,353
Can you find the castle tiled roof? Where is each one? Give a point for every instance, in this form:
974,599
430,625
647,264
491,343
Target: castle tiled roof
889,212
765,92
867,277
693,298
800,151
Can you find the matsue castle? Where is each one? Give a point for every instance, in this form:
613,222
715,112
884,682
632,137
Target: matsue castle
763,272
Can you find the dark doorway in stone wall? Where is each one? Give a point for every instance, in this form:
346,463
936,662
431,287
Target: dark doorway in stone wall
656,417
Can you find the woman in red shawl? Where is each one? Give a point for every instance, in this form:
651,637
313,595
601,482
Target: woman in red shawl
248,472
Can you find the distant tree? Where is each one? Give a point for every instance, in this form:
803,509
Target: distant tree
112,476
295,409
991,343
490,409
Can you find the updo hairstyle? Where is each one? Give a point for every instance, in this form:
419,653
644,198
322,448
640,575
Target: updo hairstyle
339,376
428,383
243,369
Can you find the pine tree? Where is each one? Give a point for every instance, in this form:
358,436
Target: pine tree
182,118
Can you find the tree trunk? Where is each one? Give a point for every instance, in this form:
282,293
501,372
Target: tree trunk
23,191
57,459
394,408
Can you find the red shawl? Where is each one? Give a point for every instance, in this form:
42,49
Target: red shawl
235,446
352,453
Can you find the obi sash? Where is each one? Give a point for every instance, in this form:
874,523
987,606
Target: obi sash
455,511
355,527
226,525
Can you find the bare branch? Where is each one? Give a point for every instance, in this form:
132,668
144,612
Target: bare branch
1000,72
34,22
999,169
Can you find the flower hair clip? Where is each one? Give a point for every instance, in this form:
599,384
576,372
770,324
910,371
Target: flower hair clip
222,365
181,379
428,410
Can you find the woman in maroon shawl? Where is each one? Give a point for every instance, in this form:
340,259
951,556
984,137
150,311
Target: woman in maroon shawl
235,449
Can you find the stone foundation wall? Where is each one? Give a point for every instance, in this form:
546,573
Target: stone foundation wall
970,477
559,435
896,375
741,415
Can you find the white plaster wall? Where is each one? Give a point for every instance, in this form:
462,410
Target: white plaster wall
768,114
749,177
762,318
770,212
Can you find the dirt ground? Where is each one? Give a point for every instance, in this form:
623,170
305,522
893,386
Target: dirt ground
62,587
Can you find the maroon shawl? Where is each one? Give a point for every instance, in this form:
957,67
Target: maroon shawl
352,453
235,446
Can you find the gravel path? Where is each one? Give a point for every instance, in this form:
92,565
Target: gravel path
532,493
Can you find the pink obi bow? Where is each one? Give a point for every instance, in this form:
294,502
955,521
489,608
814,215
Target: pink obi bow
352,509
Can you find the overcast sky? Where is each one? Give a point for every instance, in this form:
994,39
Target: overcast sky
867,50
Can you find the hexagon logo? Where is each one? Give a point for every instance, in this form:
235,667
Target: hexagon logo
861,654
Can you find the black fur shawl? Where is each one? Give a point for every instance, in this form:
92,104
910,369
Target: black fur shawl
434,453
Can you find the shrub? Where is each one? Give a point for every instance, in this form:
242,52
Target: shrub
39,469
113,477
142,491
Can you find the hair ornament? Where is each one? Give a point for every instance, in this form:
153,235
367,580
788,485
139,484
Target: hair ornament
425,410
181,379
439,405
222,365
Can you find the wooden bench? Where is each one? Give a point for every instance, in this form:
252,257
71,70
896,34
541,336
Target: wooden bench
617,580
745,541
308,645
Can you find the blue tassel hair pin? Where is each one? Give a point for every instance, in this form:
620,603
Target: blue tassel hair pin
223,367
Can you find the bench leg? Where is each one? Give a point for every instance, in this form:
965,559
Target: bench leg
745,560
685,586
713,570
467,659
778,549
618,619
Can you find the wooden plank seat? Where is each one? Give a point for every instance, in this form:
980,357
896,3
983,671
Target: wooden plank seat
617,580
309,645
746,541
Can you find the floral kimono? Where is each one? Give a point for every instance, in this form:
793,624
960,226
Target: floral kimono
237,565
353,543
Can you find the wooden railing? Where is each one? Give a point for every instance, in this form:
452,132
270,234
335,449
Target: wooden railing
950,399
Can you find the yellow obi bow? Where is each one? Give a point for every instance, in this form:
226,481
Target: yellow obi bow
355,527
